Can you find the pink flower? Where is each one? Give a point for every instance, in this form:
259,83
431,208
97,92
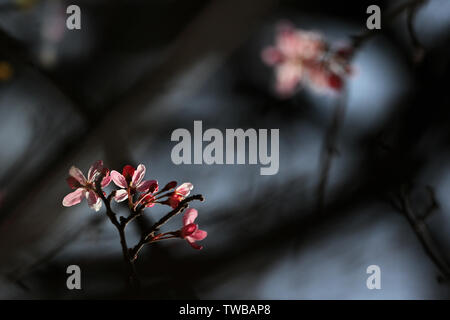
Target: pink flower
132,179
304,56
190,230
179,194
85,188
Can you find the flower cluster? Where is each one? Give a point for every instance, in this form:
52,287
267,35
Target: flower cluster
139,192
305,57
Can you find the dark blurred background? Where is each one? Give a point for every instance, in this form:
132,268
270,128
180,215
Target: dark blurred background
116,89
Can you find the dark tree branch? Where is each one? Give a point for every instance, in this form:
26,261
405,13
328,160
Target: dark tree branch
419,49
133,280
330,143
423,233
330,149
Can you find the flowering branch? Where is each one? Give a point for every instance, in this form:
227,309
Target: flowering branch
141,194
150,237
305,57
330,147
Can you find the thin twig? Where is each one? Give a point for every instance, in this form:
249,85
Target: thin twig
423,233
433,205
330,149
184,204
419,49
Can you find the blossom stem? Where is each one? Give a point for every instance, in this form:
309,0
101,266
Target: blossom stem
134,214
161,238
130,200
184,204
133,280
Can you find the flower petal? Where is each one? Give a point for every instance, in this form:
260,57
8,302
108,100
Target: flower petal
128,172
78,175
190,216
97,205
94,201
106,181
174,200
95,169
188,230
335,82
74,198
121,195
138,175
185,189
199,234
119,179
145,185
288,77
73,183
194,245
271,56
170,185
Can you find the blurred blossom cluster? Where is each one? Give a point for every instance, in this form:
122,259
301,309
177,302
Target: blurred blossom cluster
6,71
52,32
304,57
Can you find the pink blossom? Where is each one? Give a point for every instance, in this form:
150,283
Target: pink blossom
179,194
85,187
131,180
190,230
304,57
299,44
